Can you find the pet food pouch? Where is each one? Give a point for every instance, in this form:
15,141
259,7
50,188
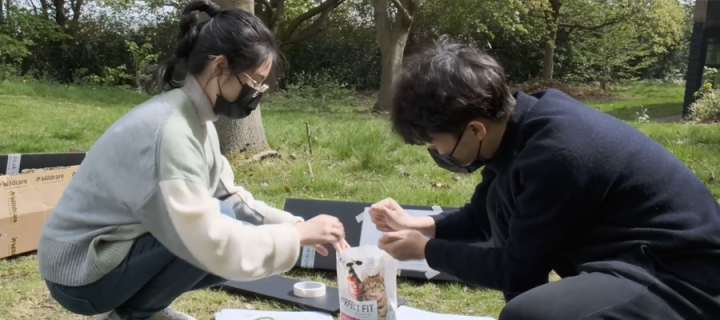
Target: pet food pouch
367,284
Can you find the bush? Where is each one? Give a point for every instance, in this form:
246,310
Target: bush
577,91
706,109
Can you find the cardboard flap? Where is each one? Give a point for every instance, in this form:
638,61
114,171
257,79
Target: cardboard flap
19,196
51,182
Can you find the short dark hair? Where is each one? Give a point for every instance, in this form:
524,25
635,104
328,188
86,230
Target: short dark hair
237,34
445,87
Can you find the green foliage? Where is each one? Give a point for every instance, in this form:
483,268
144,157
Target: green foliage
651,44
142,58
706,109
611,54
624,49
20,31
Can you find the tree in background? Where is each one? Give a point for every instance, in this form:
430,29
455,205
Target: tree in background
274,13
248,134
345,51
569,16
245,134
621,50
393,19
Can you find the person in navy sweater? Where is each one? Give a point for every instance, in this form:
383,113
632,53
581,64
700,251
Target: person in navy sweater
632,232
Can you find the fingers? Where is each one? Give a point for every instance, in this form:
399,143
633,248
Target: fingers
336,233
387,246
340,246
384,228
393,236
321,250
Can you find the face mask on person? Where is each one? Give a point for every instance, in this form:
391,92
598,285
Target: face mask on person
245,103
446,161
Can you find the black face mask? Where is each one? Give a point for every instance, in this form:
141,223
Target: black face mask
244,104
446,161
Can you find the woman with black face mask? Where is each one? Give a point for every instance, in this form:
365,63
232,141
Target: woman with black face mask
633,233
153,211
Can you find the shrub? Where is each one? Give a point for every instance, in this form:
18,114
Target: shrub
706,109
577,91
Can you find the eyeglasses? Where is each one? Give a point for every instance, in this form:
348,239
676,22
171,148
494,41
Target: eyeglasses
261,88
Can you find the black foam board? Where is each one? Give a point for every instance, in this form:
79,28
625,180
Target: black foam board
347,211
281,289
44,160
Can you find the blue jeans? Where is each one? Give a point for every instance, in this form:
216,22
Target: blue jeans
147,281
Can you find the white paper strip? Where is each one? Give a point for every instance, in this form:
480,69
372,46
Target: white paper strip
13,164
308,258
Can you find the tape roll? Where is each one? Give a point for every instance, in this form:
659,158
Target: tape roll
309,289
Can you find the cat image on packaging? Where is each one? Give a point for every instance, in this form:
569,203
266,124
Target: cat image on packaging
367,284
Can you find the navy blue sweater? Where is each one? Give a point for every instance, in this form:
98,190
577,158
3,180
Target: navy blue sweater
570,185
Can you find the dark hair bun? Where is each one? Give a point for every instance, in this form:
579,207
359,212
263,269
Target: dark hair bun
190,13
206,6
189,28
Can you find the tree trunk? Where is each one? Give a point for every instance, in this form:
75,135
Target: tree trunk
248,134
60,13
553,19
392,38
392,59
549,60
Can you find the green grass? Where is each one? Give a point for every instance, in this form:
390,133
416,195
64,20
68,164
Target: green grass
355,157
659,100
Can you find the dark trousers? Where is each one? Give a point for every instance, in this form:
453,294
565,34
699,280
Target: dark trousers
147,281
635,286
615,290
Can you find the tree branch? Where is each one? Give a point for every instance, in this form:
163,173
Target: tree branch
295,23
403,11
60,13
77,6
316,27
44,6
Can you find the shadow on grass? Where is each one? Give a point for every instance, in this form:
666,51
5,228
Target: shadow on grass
653,110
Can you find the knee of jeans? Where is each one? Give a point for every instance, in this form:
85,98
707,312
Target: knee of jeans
522,309
73,304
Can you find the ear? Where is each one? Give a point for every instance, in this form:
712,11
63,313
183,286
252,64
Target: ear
363,276
381,274
218,64
478,129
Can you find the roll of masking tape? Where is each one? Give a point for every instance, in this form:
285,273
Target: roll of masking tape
309,289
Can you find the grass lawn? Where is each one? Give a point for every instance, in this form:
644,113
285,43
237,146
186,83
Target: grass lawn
658,100
352,150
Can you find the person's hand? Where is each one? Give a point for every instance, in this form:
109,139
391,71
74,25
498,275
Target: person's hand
340,246
388,216
321,230
404,245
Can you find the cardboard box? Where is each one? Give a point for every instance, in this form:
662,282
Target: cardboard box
26,200
28,195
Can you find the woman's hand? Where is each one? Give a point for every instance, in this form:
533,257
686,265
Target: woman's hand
321,230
